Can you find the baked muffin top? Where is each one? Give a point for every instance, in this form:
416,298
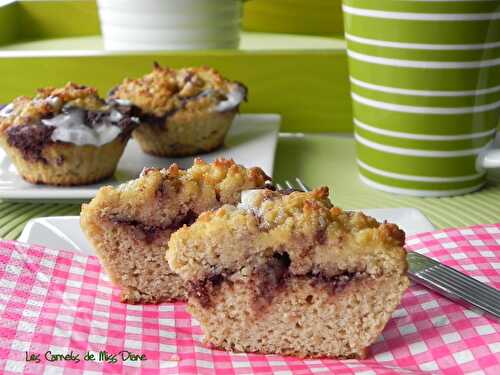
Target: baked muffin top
166,90
317,237
72,114
162,198
48,102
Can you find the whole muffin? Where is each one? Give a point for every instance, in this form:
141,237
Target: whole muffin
182,112
65,136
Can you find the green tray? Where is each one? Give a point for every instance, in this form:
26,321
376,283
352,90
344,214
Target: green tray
302,77
315,17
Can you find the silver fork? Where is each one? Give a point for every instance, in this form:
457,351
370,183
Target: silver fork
440,278
302,186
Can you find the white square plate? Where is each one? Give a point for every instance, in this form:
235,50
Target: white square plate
64,232
251,141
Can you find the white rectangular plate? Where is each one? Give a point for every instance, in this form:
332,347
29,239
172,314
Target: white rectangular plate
251,141
64,232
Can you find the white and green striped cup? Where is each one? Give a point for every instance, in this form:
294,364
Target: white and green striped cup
425,86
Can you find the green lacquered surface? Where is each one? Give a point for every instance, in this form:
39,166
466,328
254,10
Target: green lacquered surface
318,160
51,19
8,28
304,78
27,20
310,91
75,43
250,42
318,17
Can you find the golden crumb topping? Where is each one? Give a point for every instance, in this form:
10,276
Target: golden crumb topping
165,90
161,196
47,102
318,238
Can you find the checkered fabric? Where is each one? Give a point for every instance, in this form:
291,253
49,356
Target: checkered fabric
56,303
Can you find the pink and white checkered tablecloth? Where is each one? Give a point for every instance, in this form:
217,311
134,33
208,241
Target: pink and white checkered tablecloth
57,302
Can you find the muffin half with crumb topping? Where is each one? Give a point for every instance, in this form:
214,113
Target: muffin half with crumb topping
182,112
290,274
129,226
65,136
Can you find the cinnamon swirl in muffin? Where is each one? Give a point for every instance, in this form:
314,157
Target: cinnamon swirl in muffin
290,274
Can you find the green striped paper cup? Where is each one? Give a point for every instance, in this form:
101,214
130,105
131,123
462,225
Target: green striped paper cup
425,87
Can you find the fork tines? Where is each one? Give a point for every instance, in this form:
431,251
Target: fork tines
301,185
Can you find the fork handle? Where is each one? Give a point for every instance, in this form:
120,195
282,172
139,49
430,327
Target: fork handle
459,288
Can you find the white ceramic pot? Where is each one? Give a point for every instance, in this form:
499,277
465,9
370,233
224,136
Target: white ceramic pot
170,24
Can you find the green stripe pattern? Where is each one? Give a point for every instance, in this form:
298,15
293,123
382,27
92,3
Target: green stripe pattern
425,87
14,215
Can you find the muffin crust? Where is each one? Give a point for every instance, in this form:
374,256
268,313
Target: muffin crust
164,91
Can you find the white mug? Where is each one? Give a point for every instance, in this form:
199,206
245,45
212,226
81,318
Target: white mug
170,24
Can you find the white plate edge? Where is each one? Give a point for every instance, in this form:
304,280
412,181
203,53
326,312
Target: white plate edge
69,196
27,234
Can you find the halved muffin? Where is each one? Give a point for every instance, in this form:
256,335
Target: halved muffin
290,274
130,226
182,112
65,136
